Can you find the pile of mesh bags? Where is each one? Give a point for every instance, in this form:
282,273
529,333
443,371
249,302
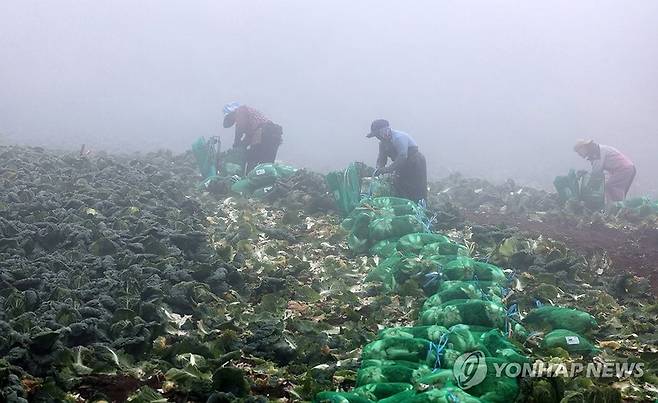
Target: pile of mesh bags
259,181
464,326
464,314
378,222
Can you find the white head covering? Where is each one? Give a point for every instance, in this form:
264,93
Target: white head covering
230,107
581,144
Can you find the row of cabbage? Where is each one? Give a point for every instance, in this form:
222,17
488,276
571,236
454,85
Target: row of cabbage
467,330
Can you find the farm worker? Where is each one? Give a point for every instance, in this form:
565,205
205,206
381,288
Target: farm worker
605,159
409,167
254,133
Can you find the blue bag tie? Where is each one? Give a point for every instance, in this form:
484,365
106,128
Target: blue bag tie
438,348
450,397
431,278
483,294
512,313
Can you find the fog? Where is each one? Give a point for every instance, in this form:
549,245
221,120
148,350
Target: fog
494,89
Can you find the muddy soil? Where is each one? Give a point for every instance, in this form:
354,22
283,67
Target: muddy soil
630,250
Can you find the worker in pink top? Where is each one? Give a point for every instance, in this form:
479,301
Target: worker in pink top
605,159
254,133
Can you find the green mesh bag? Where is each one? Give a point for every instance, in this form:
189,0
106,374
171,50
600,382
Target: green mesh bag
232,162
445,395
547,318
459,268
495,342
340,397
446,249
205,153
569,341
391,372
376,187
398,268
400,397
346,188
385,248
261,179
439,379
359,219
401,349
493,388
379,391
432,333
394,227
451,290
414,243
266,174
468,312
466,338
262,192
397,205
385,271
464,268
243,187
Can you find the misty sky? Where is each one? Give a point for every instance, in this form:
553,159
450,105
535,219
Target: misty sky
489,88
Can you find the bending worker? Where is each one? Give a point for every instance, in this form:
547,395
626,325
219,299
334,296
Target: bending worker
408,163
254,133
621,170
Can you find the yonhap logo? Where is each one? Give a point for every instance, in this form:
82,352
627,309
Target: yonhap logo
470,369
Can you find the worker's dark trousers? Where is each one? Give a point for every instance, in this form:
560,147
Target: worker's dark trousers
266,150
411,179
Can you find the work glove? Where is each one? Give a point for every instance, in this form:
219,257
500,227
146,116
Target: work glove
235,178
377,173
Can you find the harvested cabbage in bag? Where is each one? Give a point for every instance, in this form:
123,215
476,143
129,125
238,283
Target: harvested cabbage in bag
495,342
386,373
446,395
450,290
400,348
497,389
395,203
384,248
445,249
466,338
464,269
394,227
468,312
440,378
243,187
379,391
376,187
414,243
340,397
432,333
570,341
547,318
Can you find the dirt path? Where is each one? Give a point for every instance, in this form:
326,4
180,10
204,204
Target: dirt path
633,251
